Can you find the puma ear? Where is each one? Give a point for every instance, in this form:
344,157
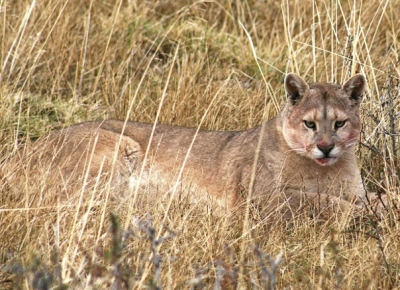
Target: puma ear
355,87
295,87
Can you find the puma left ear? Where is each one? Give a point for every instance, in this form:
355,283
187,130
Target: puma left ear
295,87
355,87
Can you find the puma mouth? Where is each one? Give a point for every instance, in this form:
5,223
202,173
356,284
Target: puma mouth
326,161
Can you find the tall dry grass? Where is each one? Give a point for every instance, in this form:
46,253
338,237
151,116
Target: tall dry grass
63,62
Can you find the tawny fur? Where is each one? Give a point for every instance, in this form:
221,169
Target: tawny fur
280,158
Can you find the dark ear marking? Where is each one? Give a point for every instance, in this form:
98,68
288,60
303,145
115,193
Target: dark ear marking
355,87
295,87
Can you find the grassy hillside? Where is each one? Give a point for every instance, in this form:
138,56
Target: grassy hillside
65,62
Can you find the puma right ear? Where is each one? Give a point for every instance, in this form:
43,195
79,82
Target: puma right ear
355,87
295,87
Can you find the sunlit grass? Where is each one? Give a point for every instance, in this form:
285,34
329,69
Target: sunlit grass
65,62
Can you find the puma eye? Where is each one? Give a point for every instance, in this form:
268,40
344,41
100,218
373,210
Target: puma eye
339,124
310,124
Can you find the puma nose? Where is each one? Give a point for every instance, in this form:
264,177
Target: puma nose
325,148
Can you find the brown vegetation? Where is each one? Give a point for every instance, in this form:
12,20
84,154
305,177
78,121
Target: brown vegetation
191,64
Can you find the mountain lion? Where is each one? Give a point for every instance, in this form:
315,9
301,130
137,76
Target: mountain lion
306,153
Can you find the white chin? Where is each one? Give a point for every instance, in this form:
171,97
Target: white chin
326,161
